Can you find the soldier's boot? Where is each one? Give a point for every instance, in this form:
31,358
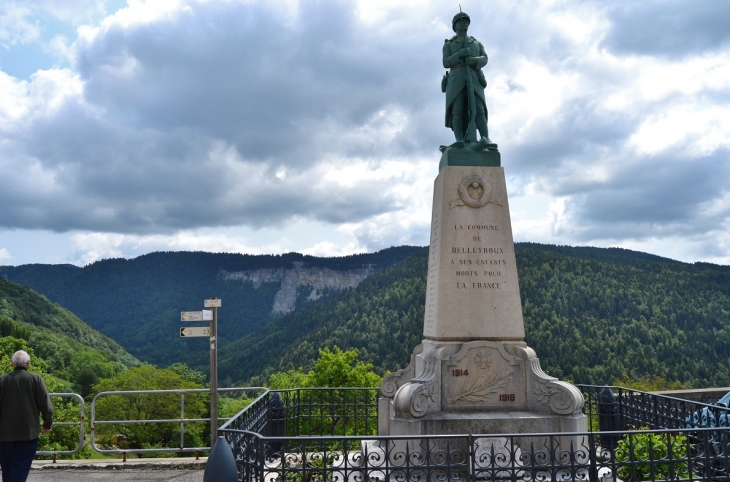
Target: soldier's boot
483,129
484,142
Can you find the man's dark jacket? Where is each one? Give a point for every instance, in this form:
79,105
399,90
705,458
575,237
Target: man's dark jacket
23,395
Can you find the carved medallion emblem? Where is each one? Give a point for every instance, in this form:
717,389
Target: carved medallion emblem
474,192
483,358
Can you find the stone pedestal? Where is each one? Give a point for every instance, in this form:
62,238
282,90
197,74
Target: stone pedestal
473,373
473,292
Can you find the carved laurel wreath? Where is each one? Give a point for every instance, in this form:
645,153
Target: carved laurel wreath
475,182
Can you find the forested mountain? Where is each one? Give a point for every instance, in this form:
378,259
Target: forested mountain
70,347
137,302
592,315
382,318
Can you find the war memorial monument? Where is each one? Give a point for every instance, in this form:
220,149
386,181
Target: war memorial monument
473,373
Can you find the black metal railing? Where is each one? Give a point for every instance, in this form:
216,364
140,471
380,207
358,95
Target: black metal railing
641,409
329,435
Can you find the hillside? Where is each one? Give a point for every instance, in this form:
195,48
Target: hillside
382,318
137,302
592,315
68,345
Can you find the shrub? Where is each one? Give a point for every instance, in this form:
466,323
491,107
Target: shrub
652,456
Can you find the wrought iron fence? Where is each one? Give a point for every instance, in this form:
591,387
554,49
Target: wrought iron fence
656,439
641,409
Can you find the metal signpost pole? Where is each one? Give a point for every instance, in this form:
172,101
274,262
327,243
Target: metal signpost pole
212,332
214,374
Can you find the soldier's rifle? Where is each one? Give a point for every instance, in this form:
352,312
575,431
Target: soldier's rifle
471,130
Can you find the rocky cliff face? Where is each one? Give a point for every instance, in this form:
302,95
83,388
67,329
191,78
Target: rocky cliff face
295,279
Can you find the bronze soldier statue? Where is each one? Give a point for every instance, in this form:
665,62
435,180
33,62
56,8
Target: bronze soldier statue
466,109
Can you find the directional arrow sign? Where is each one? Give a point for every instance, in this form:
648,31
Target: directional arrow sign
205,315
195,331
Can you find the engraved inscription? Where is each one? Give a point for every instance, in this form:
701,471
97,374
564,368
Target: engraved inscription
484,233
476,250
487,286
433,268
477,227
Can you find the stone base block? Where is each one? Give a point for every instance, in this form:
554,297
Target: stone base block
483,388
502,423
476,377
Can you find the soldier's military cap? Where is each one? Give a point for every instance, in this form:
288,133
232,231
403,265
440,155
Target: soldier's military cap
457,17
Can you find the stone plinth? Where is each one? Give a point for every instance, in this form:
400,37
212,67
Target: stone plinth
473,373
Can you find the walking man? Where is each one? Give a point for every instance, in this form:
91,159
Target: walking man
23,395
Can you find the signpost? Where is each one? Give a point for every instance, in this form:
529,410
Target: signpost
214,304
212,331
194,331
205,315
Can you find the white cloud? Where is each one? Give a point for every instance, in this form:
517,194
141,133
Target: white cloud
180,120
5,256
16,24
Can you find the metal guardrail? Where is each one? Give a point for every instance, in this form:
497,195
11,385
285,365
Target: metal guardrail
182,420
80,423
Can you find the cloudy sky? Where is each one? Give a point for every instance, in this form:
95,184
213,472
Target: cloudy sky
313,126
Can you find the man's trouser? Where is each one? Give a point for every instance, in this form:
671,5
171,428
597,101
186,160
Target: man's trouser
15,459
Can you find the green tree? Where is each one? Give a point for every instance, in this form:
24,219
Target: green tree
85,382
339,368
157,406
334,368
187,373
289,379
648,384
334,412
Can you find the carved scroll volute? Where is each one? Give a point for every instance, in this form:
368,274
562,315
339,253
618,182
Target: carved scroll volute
392,382
561,397
420,396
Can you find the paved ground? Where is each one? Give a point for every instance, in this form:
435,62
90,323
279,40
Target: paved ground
79,475
168,469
